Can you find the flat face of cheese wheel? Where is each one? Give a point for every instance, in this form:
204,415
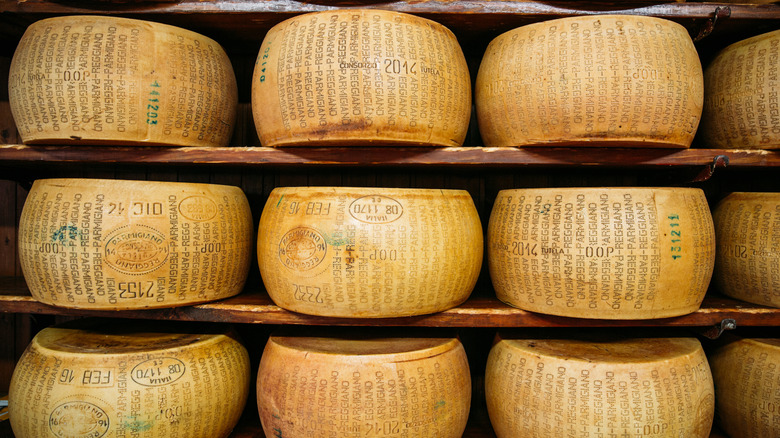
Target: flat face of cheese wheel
107,80
113,244
741,95
607,80
360,77
608,351
367,347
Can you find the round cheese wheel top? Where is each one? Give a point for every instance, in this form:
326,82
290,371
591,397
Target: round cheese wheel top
107,80
606,80
360,77
410,348
741,95
115,244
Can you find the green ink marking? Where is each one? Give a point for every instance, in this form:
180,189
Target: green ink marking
71,231
138,426
277,432
439,404
338,242
280,201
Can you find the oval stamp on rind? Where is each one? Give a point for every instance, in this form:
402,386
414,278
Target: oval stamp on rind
376,209
78,419
302,248
198,208
158,372
135,249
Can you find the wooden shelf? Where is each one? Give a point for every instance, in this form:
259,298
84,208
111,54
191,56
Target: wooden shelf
255,307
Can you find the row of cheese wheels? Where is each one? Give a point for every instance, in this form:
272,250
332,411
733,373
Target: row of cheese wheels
88,379
358,77
610,253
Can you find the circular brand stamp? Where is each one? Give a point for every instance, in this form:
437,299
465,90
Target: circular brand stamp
302,248
376,209
135,249
158,372
78,419
198,208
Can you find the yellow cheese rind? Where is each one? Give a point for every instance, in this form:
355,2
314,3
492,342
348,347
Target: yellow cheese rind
747,264
611,80
113,382
741,88
100,80
747,387
358,77
113,244
606,253
369,252
379,387
655,387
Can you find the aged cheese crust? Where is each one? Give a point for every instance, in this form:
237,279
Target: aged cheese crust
369,252
113,244
655,387
609,80
418,387
359,77
106,381
606,253
747,265
107,80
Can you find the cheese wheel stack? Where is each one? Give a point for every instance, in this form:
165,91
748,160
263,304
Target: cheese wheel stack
369,252
359,77
112,244
609,80
373,387
107,381
747,387
108,80
654,387
747,266
742,95
607,253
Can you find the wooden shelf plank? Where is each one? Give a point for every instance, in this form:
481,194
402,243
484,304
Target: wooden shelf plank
255,307
379,156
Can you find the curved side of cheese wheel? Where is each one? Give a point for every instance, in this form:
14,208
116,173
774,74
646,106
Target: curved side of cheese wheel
595,80
79,383
741,88
655,387
609,253
369,252
747,265
747,387
358,77
113,244
379,387
107,80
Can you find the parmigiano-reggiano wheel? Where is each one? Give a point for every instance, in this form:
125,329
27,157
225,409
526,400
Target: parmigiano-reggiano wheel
747,387
654,387
415,387
606,253
359,77
609,80
747,265
741,88
369,252
113,244
117,380
108,80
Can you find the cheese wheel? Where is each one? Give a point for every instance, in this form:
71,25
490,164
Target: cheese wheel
107,380
116,81
369,252
112,245
747,387
747,265
374,387
609,80
359,77
654,387
742,95
606,253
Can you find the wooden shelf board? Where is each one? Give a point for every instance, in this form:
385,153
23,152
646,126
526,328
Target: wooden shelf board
464,157
256,307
